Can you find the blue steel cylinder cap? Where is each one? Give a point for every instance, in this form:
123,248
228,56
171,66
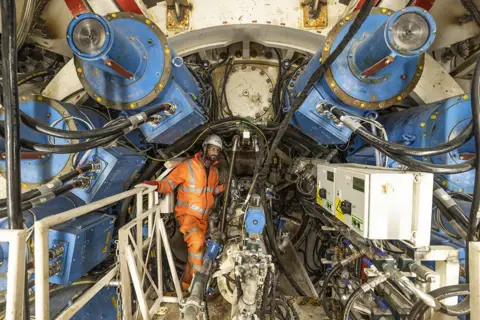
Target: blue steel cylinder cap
354,80
89,35
410,31
123,60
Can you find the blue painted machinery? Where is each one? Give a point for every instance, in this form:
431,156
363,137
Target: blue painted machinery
124,62
37,168
118,168
423,127
255,220
379,67
118,165
75,247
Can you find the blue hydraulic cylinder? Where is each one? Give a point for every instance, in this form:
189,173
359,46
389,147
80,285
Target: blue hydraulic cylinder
124,62
380,66
37,169
423,127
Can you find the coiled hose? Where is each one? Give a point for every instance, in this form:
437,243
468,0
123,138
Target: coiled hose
463,308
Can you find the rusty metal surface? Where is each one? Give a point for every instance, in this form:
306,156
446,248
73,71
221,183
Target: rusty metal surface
377,66
174,25
319,23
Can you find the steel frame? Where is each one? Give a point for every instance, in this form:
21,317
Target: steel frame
41,229
133,268
16,272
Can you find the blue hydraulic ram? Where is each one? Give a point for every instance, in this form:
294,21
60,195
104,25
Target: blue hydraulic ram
124,62
380,66
423,127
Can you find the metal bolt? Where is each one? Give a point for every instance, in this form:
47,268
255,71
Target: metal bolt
265,108
268,80
262,73
245,92
403,77
257,115
109,64
253,68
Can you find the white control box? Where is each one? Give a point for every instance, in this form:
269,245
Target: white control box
326,186
378,203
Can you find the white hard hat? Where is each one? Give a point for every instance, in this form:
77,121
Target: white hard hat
213,140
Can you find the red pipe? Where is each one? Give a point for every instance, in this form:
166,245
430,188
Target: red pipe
77,7
129,6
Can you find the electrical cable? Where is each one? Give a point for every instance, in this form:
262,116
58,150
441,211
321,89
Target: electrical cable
11,132
351,301
71,95
316,76
63,178
269,229
473,10
93,133
209,126
401,149
36,74
29,204
420,308
323,290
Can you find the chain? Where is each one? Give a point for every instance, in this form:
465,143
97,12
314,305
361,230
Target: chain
117,279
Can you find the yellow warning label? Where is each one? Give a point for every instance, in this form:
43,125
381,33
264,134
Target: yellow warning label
338,209
319,199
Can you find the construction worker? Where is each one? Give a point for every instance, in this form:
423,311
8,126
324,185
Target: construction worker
198,184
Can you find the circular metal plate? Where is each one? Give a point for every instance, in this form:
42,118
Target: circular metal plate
162,75
89,36
345,97
249,91
411,31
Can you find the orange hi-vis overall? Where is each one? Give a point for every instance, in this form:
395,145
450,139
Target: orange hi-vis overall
195,197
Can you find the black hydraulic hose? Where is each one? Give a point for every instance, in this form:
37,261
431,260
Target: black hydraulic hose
473,221
405,160
36,74
68,148
401,149
274,245
223,222
472,234
113,128
316,76
12,125
29,204
71,95
146,174
472,9
447,205
324,288
63,178
351,301
420,308
431,168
